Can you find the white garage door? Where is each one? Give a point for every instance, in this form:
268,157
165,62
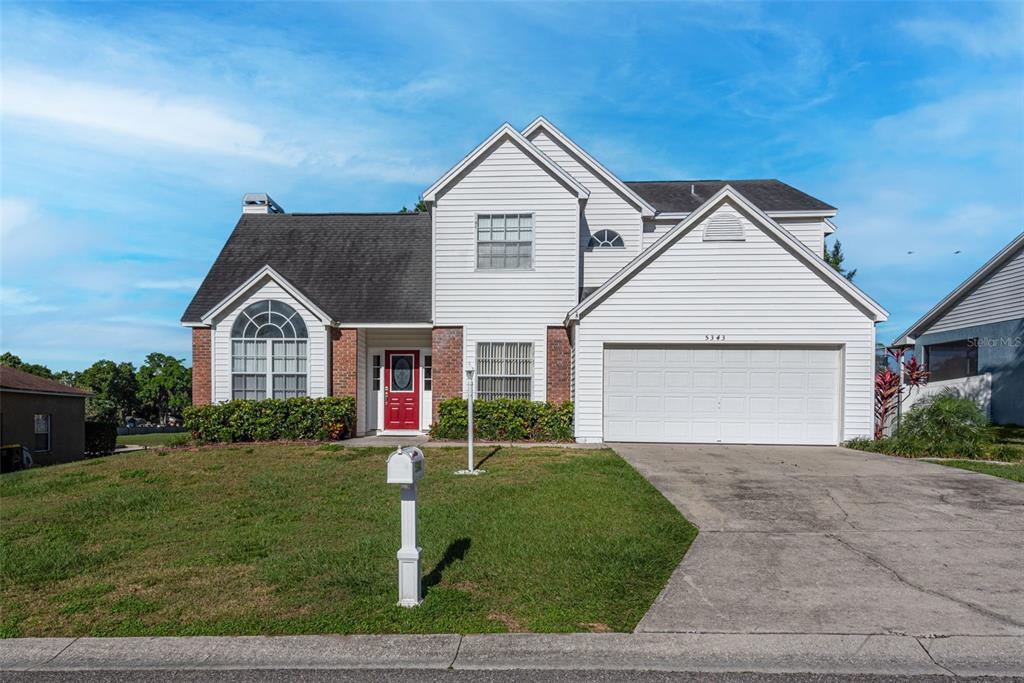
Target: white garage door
722,395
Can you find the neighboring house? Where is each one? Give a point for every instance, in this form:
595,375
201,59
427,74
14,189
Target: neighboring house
44,416
973,340
668,311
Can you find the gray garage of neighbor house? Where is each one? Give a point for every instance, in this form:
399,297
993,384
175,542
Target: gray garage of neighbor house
44,416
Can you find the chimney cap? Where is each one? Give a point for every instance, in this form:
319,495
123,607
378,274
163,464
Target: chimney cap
259,202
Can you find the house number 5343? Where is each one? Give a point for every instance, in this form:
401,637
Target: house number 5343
714,337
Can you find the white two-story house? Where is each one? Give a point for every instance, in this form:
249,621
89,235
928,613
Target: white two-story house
675,311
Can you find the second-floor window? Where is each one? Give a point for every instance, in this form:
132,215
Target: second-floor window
504,241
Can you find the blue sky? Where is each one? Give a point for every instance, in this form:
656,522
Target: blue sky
130,132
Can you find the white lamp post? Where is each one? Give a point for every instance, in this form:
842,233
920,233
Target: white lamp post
469,414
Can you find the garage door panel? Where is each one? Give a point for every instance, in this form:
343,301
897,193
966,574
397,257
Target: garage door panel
729,395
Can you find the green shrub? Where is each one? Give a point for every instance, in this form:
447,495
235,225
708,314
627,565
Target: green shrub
100,438
505,419
944,426
1006,452
329,418
179,440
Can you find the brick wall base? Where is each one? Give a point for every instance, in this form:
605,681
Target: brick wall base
344,378
448,373
201,361
559,365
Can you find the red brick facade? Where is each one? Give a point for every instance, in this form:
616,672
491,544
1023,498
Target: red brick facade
559,365
201,360
448,373
343,361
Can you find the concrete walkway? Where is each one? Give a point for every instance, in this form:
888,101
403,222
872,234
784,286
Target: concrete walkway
805,540
886,655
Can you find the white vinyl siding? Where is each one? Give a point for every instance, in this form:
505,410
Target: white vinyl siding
361,388
606,208
316,349
810,231
506,305
746,293
999,297
656,229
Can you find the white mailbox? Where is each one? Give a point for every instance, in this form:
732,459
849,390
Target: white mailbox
405,466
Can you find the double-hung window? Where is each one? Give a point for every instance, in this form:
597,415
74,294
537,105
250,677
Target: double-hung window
504,370
268,352
504,241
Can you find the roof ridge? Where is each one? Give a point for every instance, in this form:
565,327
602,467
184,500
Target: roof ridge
347,213
712,180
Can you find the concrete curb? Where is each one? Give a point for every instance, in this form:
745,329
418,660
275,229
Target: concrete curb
692,652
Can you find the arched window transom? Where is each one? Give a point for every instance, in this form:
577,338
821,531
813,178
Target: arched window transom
268,352
605,239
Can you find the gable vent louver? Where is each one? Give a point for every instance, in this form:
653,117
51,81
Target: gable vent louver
725,225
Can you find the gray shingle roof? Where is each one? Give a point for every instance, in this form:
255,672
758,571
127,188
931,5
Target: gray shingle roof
675,196
372,268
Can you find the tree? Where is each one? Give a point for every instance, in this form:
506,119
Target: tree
421,207
165,387
12,361
834,257
114,387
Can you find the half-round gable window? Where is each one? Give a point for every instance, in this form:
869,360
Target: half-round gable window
268,352
605,239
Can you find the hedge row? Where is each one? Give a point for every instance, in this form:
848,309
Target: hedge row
322,419
100,438
505,419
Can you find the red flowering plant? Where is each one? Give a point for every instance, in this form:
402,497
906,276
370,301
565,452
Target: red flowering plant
889,388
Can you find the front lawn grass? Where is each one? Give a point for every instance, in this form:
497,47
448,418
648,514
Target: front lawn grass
151,440
297,538
1014,472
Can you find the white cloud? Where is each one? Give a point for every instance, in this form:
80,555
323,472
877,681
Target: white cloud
1001,35
184,284
16,301
140,115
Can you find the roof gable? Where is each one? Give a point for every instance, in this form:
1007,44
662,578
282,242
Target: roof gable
542,124
961,292
727,193
505,132
257,280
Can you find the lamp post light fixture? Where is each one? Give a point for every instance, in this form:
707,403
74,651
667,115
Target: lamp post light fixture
469,415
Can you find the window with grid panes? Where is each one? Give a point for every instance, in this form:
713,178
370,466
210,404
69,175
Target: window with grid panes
504,241
504,370
268,352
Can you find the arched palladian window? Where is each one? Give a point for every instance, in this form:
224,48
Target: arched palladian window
603,239
268,349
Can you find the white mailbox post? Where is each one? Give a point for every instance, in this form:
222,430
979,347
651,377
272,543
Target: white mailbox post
406,467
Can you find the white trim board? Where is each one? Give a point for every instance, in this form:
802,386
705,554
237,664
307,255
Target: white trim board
505,132
797,247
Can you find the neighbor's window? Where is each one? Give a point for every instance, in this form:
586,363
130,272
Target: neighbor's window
951,360
504,241
428,372
268,352
605,239
41,442
504,369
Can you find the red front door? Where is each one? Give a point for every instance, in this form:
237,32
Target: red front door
402,390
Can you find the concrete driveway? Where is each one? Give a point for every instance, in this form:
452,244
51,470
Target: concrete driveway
831,540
